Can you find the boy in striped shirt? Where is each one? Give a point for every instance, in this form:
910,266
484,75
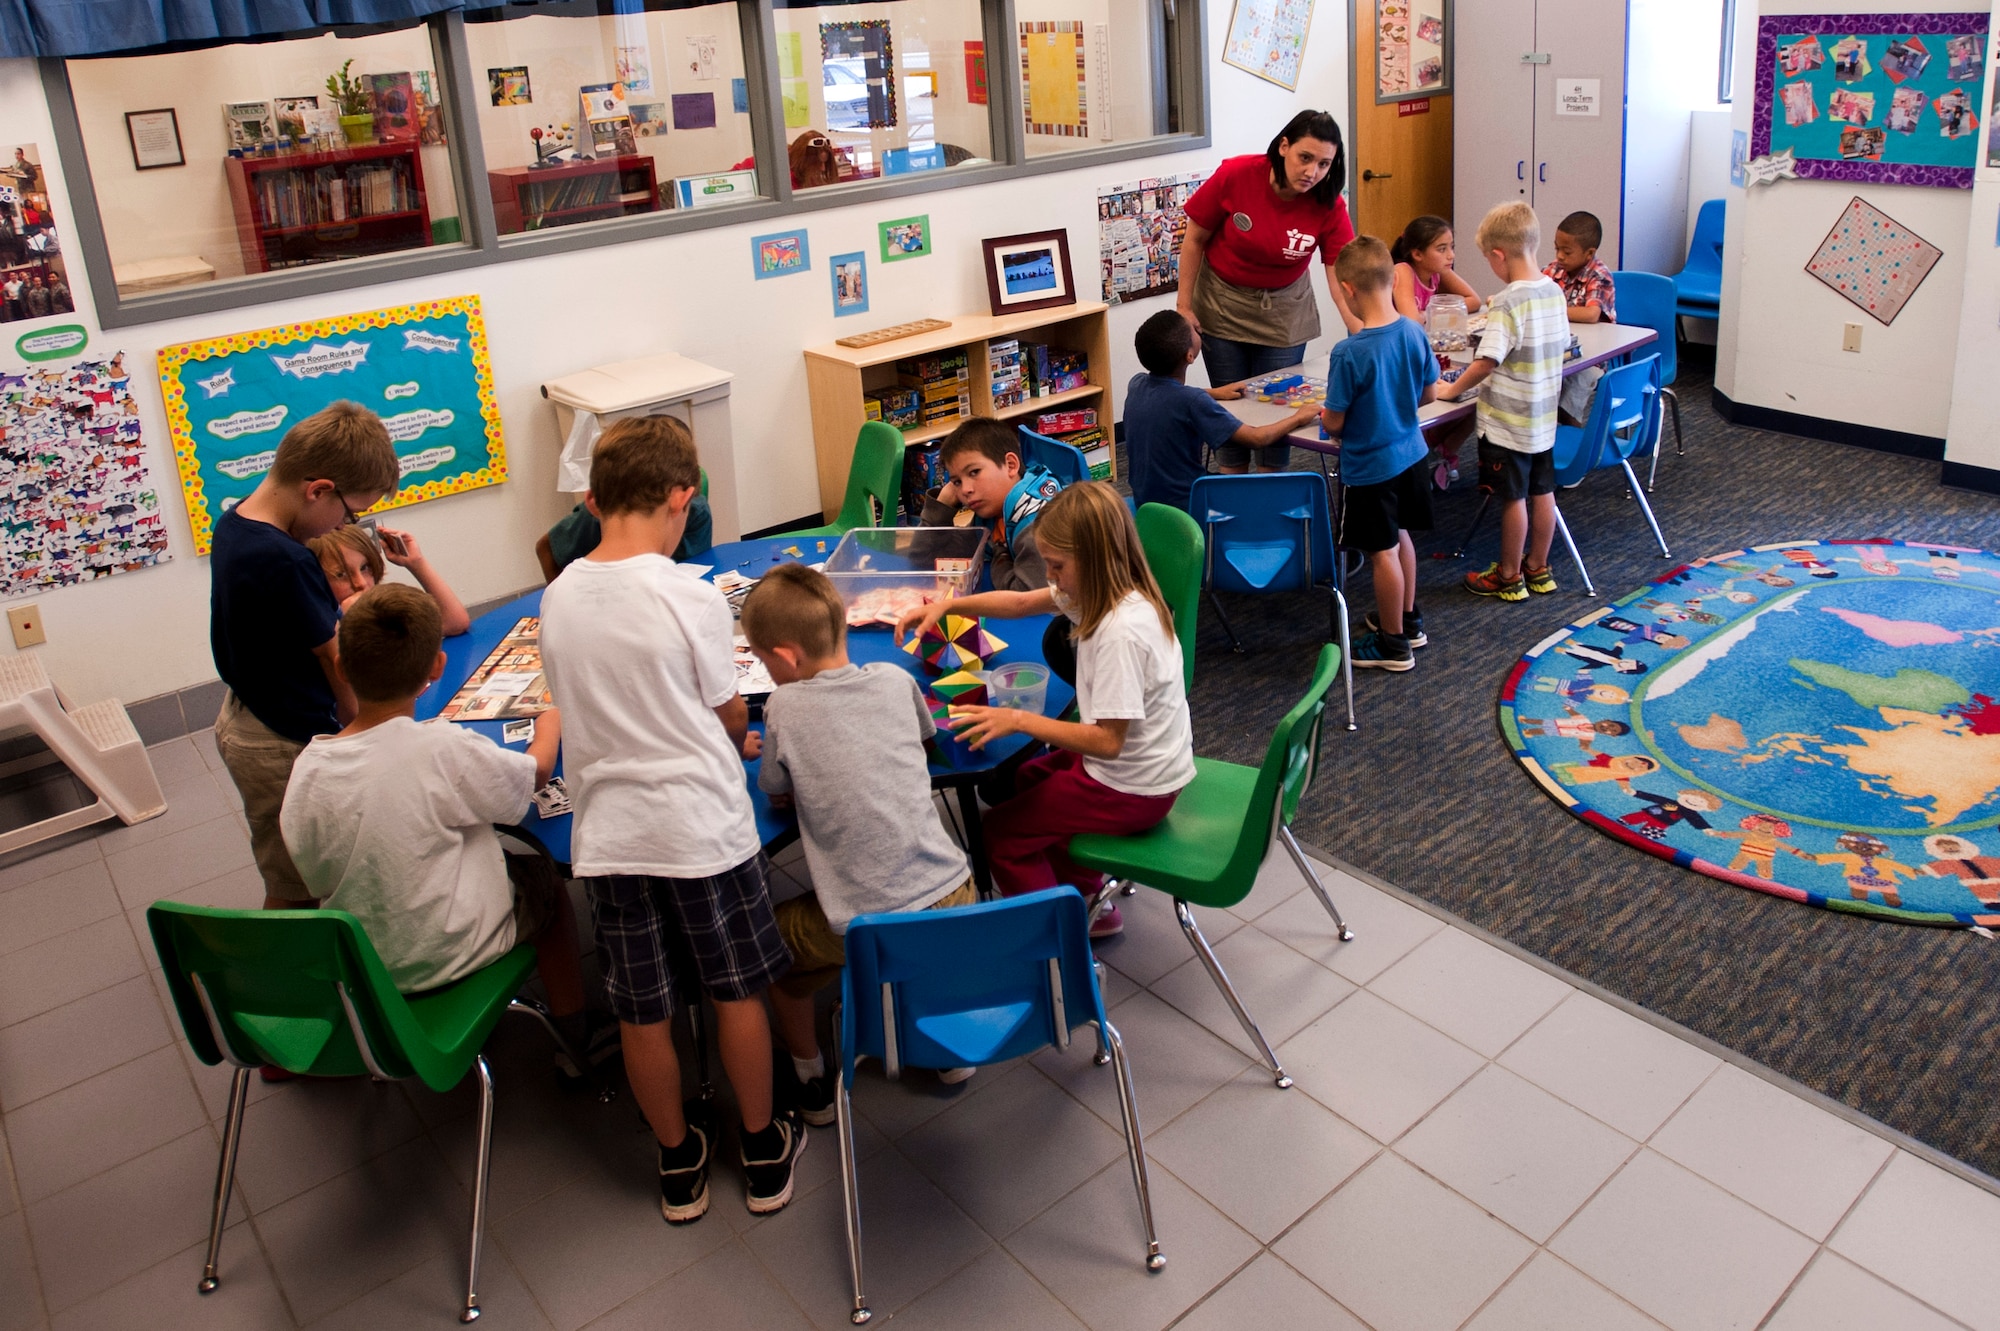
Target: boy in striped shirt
1519,362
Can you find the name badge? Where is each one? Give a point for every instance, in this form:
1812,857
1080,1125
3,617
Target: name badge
1242,221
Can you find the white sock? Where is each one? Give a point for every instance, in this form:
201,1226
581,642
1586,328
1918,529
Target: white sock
808,1068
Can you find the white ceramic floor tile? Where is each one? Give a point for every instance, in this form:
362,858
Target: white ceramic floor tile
1836,1295
1269,1294
164,1295
1384,928
1470,990
1174,1063
1682,1249
1153,942
1376,1066
1402,1251
1516,1150
1914,1227
1282,990
1629,1073
1551,1295
995,1293
1784,1155
1277,880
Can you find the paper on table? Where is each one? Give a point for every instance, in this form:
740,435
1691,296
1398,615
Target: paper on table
699,570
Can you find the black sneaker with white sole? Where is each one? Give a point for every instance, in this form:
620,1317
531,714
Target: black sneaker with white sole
814,1099
770,1161
600,1045
1413,627
684,1172
1379,651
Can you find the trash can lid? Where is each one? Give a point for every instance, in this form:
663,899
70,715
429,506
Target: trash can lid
625,384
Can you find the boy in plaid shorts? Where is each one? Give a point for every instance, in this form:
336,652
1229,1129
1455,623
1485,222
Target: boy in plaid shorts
639,654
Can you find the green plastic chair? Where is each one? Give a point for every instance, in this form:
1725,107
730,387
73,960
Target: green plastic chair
874,482
1208,850
304,990
1173,545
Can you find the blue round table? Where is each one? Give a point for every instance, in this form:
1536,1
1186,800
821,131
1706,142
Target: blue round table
961,768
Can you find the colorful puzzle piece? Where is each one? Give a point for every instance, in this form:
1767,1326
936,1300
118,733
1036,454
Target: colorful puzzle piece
961,688
955,642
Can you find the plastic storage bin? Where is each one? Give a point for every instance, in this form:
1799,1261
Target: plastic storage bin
1021,684
882,571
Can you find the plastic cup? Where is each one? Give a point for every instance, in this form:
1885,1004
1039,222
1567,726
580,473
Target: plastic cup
1021,684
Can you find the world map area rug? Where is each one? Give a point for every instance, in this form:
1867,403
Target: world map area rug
1817,720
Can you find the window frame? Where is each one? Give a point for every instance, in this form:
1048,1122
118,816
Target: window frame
1725,78
482,243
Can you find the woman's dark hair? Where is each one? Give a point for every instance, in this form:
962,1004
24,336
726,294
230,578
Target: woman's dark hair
1420,234
1313,125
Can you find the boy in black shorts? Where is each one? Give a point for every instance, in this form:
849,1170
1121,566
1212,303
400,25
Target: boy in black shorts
1375,381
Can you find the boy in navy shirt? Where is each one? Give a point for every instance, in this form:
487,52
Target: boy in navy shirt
273,620
1375,381
1167,422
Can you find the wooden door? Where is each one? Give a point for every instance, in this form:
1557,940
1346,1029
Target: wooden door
1495,75
1579,161
1402,150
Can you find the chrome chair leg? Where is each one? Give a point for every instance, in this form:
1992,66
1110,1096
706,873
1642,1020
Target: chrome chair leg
479,1181
1346,654
1582,572
1185,915
1647,509
580,1058
1673,400
1473,530
1135,1142
225,1174
850,1185
1298,855
1235,642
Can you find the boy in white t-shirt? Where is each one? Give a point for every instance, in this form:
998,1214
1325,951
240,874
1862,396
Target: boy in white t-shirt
639,654
392,821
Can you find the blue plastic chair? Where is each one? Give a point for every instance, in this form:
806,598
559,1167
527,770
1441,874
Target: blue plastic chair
1698,287
1064,461
1271,532
1646,300
1624,423
967,987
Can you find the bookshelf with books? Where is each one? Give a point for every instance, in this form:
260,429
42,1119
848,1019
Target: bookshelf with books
844,383
315,207
531,198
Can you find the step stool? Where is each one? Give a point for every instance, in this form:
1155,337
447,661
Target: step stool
97,743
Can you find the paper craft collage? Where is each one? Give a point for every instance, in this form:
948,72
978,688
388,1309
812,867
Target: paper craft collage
1140,227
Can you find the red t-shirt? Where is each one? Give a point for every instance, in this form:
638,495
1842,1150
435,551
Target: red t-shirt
1282,234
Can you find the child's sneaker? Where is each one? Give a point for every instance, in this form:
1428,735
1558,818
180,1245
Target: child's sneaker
1108,925
953,1076
1487,582
600,1046
1379,651
770,1162
814,1099
1413,627
684,1172
1540,581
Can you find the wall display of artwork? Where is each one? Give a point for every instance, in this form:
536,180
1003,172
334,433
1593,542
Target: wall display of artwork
905,238
975,73
1412,49
865,51
850,283
1887,99
1140,227
780,253
509,86
1054,95
76,502
1873,260
1268,38
1028,272
423,368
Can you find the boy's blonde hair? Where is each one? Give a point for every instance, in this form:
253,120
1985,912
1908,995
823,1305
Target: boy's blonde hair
1513,229
638,460
344,443
389,640
795,606
330,549
1089,524
1365,264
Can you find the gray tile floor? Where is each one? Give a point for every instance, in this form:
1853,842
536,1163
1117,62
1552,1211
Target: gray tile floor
1473,1142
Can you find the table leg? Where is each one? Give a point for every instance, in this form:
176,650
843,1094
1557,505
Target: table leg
975,840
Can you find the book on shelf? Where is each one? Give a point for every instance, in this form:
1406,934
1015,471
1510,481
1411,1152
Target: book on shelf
290,113
251,125
333,193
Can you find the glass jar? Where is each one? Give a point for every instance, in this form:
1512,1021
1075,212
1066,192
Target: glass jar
1445,322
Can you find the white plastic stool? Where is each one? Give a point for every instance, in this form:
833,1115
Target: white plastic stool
97,743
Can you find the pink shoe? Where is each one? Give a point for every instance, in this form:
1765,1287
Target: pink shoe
1108,925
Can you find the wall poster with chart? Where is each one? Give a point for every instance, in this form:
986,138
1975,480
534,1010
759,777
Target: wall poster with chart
1140,227
1884,99
1053,94
1268,38
1413,49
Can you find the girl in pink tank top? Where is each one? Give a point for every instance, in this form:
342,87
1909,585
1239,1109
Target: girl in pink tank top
1424,255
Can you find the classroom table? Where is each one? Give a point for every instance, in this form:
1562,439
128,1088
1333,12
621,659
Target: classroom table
961,769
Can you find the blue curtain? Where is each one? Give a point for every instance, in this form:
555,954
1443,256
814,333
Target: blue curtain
101,27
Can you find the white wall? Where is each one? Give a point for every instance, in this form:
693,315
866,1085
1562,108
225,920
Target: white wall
1707,178
1672,62
144,633
1972,434
1779,344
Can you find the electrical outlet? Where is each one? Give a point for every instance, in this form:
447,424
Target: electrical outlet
1850,337
26,621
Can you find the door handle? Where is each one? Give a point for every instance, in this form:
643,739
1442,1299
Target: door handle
1542,173
1377,175
1520,170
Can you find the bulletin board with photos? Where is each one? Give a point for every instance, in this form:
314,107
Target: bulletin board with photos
1891,99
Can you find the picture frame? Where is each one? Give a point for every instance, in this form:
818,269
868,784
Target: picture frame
850,283
905,238
1030,271
156,139
1413,50
780,253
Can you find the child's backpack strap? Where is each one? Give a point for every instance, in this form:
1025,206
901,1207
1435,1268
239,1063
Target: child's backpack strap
1025,502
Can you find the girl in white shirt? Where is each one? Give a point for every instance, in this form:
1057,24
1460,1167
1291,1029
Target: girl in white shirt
1119,768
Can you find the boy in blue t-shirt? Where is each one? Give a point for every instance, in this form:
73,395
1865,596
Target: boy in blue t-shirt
1375,381
1168,422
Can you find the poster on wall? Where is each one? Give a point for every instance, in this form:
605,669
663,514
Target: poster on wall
1873,260
1412,49
1886,99
1268,38
1053,93
975,73
422,368
33,280
76,502
857,65
1140,227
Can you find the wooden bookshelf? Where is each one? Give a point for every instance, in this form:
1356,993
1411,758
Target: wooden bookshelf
316,207
530,198
837,376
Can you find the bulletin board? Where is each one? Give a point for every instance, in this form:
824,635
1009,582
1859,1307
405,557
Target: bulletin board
423,368
1140,227
1887,99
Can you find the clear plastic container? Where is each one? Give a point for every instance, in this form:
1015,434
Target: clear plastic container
882,571
1446,323
1021,684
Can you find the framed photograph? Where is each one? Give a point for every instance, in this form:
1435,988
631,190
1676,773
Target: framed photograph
906,238
1028,272
156,138
850,283
780,253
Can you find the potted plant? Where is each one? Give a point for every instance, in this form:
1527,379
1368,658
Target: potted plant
351,98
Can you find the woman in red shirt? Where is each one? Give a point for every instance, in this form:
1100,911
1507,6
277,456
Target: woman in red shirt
1252,230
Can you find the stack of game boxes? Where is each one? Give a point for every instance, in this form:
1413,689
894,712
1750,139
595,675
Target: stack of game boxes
1010,383
1079,429
1052,370
895,405
943,384
923,472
